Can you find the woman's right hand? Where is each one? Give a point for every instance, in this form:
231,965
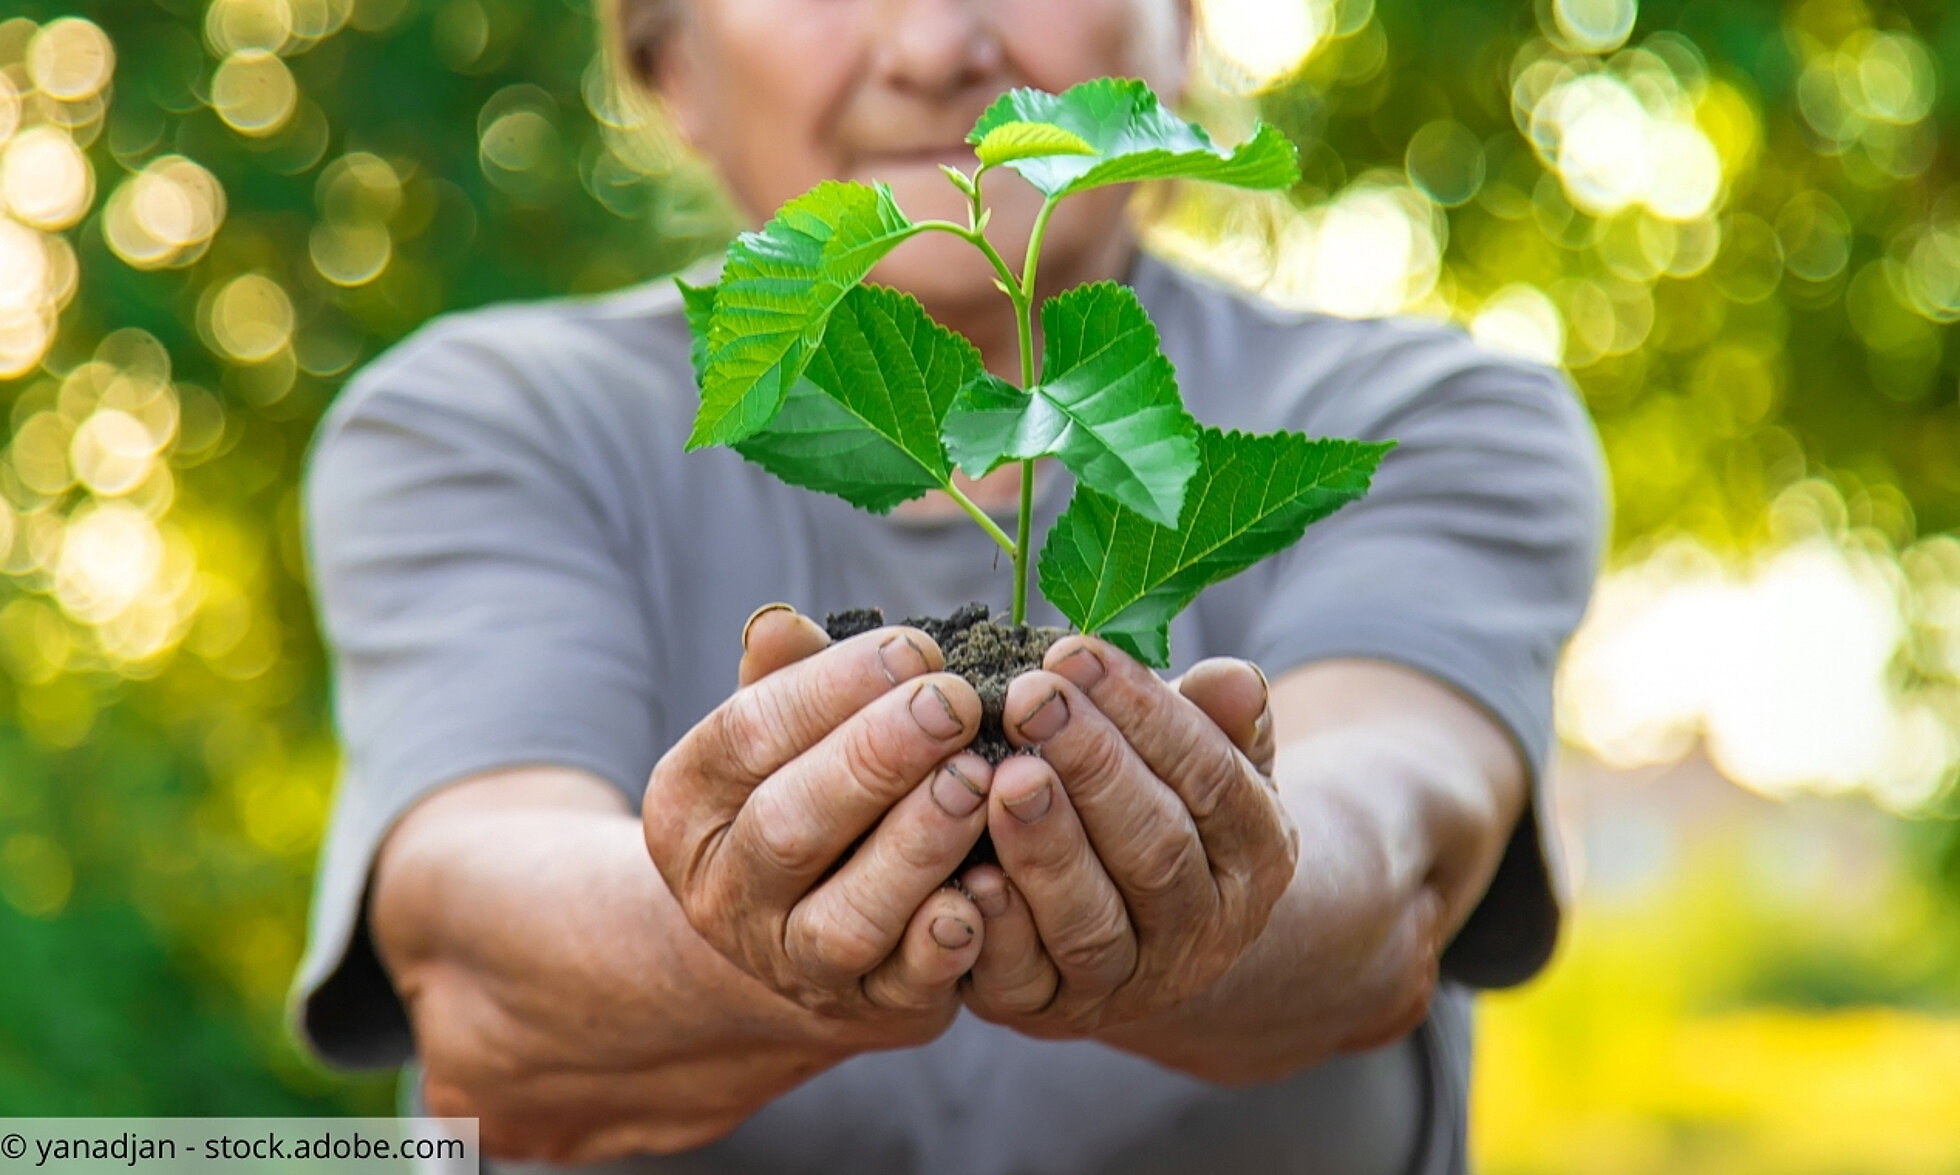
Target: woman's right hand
559,994
807,826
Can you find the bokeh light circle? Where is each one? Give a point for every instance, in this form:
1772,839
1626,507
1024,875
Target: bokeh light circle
23,267
70,59
232,26
1266,41
112,452
1446,161
1594,26
1521,320
254,92
165,214
251,318
10,107
350,254
45,179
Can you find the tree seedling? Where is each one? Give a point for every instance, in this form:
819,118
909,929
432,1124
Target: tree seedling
850,388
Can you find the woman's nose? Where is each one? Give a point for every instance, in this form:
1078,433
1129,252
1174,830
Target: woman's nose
937,47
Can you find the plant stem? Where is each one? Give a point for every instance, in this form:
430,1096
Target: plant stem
1020,291
1024,324
1034,249
1026,523
980,516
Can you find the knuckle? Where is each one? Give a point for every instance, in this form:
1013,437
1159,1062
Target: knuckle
1050,861
1277,858
782,842
1097,761
736,723
662,821
900,991
854,945
915,848
1100,953
874,759
1210,777
838,943
1028,994
895,993
1281,867
1165,866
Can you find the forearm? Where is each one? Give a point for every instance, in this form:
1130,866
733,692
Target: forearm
556,990
1404,795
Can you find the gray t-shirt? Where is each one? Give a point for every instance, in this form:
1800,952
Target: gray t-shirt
516,564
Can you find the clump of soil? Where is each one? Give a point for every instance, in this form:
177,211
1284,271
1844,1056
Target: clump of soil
988,654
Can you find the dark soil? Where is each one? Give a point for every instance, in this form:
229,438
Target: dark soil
987,654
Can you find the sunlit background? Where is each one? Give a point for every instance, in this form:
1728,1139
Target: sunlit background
1735,222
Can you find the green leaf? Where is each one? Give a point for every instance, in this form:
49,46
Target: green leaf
776,294
1123,577
863,423
959,179
698,304
1107,405
1011,141
1134,138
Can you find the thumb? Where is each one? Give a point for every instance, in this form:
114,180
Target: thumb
775,636
1234,695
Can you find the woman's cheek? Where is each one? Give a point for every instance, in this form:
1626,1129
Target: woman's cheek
1099,38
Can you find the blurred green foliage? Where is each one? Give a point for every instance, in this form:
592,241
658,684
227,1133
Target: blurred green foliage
269,192
164,792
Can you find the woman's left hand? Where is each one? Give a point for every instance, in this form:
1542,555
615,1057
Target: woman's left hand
1141,852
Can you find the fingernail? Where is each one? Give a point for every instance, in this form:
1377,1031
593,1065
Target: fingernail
1045,720
1033,806
934,712
950,932
758,614
1082,667
956,795
992,899
1265,687
895,662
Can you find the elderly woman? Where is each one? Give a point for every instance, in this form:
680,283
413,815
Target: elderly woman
1234,924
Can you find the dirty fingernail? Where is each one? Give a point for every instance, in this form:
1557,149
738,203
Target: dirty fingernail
1045,720
1033,806
956,795
951,933
1265,687
900,658
934,712
1082,667
991,897
758,614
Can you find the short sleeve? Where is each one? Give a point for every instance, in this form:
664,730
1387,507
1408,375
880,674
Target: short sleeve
1471,559
479,613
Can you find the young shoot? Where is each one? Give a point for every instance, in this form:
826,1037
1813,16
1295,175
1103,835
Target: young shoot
848,388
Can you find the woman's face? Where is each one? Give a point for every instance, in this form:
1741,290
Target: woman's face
782,94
